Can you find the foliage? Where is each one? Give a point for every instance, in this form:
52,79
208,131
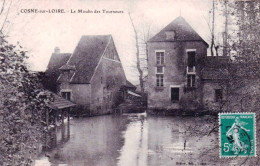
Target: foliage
242,77
49,80
244,69
21,107
189,102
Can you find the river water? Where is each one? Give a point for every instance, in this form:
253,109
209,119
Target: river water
132,140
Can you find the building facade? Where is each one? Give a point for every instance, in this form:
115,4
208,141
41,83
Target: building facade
93,75
177,58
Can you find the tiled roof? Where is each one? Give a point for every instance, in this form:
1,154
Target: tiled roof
57,60
67,67
216,61
215,67
183,31
86,57
58,101
214,73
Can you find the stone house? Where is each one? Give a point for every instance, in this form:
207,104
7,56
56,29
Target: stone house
53,69
177,69
93,75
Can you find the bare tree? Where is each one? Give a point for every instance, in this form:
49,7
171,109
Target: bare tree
4,13
137,55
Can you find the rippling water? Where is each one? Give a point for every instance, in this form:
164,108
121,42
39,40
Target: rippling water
130,140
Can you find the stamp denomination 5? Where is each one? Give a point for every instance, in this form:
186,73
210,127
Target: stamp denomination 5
237,134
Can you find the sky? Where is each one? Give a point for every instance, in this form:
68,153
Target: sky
40,33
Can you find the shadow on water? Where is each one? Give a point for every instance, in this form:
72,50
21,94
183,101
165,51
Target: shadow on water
85,141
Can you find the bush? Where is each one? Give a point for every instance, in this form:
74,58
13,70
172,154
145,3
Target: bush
190,102
21,107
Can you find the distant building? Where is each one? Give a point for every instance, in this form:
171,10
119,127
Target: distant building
178,72
92,76
52,73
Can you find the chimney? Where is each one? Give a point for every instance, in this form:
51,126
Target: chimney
57,50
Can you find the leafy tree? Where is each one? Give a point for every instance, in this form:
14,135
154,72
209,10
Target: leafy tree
244,46
241,71
21,107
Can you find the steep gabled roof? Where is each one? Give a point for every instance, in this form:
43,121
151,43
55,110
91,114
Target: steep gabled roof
67,67
57,60
183,31
86,57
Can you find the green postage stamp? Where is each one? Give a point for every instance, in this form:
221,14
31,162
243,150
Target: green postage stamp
237,134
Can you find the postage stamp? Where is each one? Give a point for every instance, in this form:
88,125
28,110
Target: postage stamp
237,134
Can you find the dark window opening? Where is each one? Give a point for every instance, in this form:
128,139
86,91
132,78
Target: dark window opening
159,58
175,94
191,59
218,95
66,95
190,80
159,80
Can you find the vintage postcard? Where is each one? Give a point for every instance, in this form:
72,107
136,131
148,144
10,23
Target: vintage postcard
129,82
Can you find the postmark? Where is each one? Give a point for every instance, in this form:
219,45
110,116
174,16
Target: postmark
237,134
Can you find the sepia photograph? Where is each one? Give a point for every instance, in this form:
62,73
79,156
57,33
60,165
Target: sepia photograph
129,82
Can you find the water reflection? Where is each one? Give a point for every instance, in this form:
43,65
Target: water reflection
134,151
126,140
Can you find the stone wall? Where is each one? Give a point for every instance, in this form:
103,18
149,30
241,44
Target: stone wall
209,100
81,94
174,73
106,82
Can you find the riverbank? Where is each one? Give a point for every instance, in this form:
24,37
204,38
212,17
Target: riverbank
179,112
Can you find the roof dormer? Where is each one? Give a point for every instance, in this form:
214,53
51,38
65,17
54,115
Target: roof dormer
170,35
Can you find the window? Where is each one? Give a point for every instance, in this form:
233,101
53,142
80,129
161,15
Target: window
175,94
159,80
191,80
218,95
159,70
159,58
66,95
170,35
191,61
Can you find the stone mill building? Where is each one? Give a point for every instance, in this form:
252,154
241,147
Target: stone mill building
180,73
